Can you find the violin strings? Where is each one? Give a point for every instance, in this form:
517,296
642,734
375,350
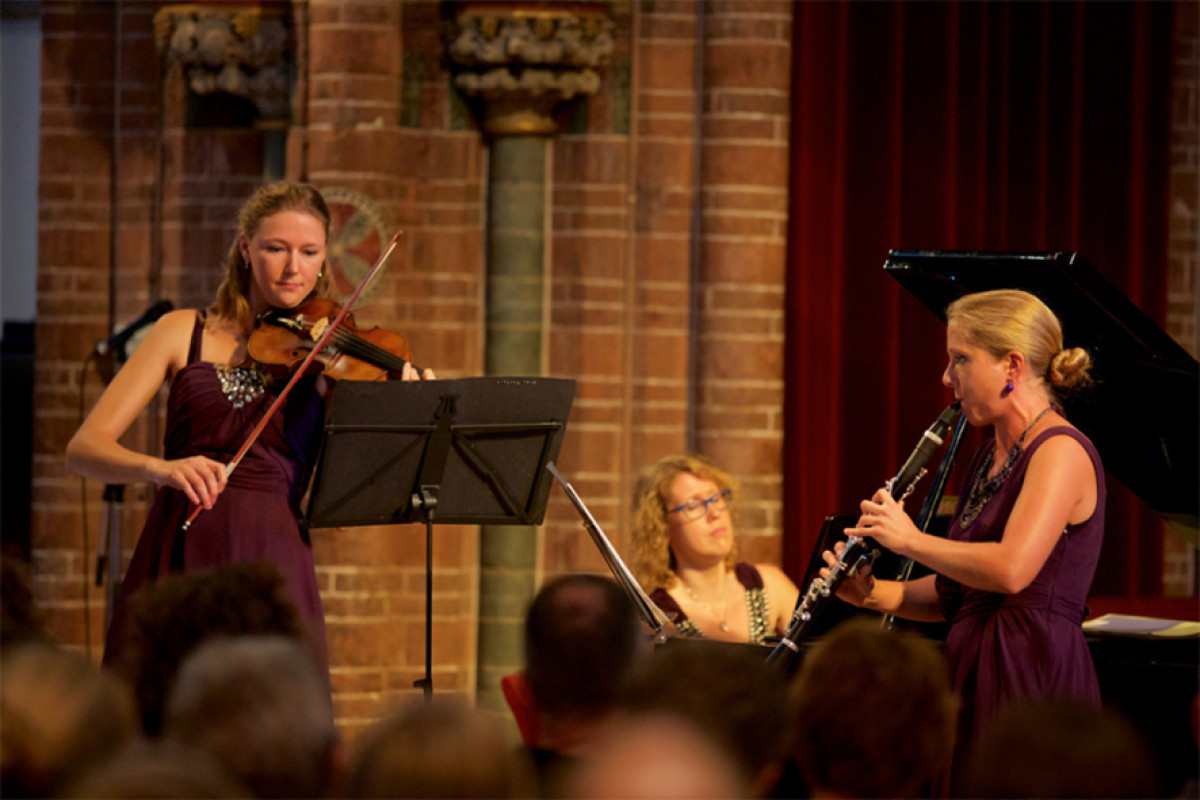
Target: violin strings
367,351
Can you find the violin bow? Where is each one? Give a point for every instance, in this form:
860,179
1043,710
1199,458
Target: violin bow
329,329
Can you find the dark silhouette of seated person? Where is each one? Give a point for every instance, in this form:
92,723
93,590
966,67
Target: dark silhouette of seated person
729,693
168,619
583,637
260,707
20,619
873,712
438,748
1060,749
60,715
156,769
658,757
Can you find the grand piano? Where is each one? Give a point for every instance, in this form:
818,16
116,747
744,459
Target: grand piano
1140,374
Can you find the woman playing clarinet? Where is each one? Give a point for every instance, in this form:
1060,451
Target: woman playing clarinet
277,260
1012,575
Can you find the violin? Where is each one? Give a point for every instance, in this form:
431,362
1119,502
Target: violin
283,338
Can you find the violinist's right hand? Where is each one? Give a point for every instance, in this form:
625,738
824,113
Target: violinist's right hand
199,477
857,590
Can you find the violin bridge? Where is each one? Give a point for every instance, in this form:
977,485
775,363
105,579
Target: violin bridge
318,328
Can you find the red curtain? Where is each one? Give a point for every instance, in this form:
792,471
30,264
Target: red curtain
957,126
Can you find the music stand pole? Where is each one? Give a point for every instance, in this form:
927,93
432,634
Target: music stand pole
426,500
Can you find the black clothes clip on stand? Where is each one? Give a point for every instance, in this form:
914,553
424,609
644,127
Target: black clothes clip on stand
470,451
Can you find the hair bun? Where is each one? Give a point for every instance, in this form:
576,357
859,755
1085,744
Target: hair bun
1070,368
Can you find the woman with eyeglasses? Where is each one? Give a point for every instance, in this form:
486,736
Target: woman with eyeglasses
685,555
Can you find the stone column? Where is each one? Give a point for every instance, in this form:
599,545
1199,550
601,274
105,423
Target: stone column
244,51
519,64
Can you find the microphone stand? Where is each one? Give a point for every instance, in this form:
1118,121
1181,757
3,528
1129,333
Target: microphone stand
110,355
108,559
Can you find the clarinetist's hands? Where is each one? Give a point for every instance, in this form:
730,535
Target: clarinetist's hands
883,519
856,590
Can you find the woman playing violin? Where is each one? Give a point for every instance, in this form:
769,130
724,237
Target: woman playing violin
216,397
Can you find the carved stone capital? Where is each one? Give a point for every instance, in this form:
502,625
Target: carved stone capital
242,50
522,60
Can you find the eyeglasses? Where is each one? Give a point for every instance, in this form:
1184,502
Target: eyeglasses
697,508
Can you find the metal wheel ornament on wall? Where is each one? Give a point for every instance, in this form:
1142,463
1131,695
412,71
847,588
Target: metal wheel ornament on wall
358,234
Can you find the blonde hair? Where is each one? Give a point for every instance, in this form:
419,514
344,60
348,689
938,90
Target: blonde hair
653,561
1009,320
232,295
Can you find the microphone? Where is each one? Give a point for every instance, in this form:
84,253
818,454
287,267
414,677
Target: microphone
930,441
115,344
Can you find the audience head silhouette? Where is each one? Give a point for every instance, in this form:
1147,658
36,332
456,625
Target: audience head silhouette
167,620
874,713
726,691
1060,749
260,707
582,638
155,770
59,715
657,757
438,749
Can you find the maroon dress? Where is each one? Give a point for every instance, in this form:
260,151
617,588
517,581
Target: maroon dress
211,411
1028,645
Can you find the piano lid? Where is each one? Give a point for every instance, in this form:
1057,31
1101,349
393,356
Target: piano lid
1143,414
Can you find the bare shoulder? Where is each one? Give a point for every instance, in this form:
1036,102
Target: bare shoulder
1059,450
181,320
168,340
1061,464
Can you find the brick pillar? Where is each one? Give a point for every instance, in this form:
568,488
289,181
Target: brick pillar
741,275
521,64
670,265
513,346
349,142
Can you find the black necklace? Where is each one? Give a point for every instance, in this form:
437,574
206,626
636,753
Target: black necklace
984,488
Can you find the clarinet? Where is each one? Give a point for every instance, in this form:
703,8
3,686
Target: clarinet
860,551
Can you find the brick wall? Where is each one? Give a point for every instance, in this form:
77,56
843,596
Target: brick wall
666,264
668,267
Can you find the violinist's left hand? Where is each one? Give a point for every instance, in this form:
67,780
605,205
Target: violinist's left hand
883,519
409,373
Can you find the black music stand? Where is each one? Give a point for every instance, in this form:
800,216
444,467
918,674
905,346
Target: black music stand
469,451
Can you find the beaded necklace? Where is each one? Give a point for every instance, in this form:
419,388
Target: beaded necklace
983,488
720,618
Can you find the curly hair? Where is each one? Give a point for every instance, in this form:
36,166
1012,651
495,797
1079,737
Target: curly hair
1008,320
654,563
231,301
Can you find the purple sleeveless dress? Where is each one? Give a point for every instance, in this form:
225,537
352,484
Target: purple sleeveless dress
1028,645
255,519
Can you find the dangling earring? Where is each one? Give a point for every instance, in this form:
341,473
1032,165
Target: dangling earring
1008,387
